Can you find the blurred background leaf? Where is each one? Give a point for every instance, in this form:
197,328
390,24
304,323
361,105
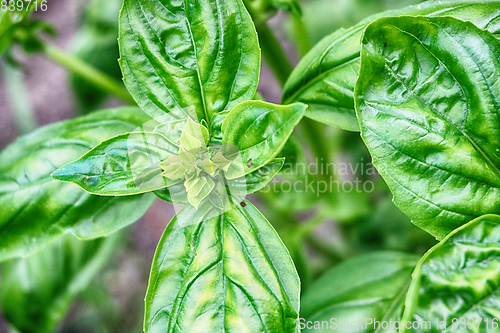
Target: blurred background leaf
322,17
36,292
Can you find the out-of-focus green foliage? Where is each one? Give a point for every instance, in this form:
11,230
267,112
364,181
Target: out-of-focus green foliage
107,169
16,27
371,286
322,17
259,130
36,292
97,44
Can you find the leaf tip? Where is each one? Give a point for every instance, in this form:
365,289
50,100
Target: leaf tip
59,174
65,174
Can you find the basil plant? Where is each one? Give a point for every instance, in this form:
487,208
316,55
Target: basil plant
198,140
420,84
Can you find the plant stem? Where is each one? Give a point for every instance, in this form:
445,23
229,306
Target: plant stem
275,57
18,98
314,133
327,250
309,226
88,72
301,36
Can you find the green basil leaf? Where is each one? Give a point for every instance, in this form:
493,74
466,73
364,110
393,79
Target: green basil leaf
35,209
347,207
259,130
428,101
256,180
364,288
194,136
172,130
216,126
325,78
458,279
36,292
124,165
175,194
191,59
230,273
7,26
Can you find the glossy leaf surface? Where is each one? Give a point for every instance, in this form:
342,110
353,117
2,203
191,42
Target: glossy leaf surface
174,194
256,180
123,165
325,78
428,101
459,279
216,126
36,292
35,209
230,273
259,130
371,286
188,58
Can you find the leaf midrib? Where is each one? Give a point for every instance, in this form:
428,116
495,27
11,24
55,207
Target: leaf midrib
295,97
399,150
274,134
198,74
184,288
